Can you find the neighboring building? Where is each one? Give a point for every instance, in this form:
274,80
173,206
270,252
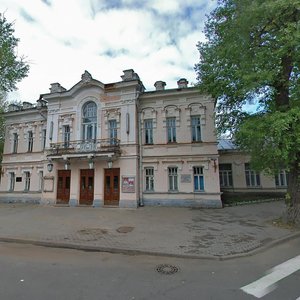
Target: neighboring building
113,145
236,174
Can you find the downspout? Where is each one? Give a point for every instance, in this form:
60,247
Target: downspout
141,202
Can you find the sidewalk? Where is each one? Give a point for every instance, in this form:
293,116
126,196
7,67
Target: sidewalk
184,232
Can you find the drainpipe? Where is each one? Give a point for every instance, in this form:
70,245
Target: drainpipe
141,202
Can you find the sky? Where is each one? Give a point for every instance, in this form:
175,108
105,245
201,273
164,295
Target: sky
61,39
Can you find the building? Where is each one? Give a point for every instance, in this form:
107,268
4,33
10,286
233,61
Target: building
236,175
113,145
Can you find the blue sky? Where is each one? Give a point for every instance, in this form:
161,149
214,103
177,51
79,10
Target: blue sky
62,38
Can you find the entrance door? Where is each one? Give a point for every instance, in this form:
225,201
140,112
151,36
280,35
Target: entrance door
86,187
63,186
111,186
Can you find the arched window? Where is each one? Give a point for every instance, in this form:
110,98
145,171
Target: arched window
89,121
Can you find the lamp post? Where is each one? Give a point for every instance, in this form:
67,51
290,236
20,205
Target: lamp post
109,163
91,163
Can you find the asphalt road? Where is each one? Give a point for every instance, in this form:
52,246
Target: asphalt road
31,272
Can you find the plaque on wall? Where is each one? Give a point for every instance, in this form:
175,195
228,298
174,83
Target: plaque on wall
18,179
128,184
186,178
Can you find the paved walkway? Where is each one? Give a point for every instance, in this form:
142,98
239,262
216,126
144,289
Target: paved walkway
208,233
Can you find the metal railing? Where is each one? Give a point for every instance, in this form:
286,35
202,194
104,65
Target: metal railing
85,146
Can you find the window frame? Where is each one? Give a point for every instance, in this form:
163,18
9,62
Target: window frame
282,179
89,121
149,179
112,131
196,129
198,179
173,179
225,176
15,142
27,181
12,180
171,130
30,141
252,177
148,126
66,136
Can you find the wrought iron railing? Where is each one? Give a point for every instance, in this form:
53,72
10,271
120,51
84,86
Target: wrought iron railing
85,146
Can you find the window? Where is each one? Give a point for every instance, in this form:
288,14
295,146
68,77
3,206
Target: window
281,179
198,179
149,172
148,124
252,177
225,173
171,130
89,121
11,181
41,180
196,129
27,181
43,139
15,143
66,136
112,127
173,179
30,141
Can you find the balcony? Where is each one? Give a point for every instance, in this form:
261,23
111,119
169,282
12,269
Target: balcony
85,147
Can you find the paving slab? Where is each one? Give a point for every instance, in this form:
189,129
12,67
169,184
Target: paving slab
185,232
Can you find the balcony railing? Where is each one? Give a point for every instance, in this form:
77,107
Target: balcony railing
85,146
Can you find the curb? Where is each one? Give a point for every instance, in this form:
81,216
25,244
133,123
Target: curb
150,253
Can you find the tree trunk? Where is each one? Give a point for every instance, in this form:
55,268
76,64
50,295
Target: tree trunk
293,194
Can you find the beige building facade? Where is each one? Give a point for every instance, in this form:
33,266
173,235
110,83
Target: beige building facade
113,145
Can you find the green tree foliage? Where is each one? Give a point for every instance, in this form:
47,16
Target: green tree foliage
12,68
252,54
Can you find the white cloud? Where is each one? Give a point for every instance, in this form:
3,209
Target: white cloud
61,39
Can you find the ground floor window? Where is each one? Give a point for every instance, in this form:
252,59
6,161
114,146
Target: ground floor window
198,179
252,177
12,177
173,179
225,173
27,181
41,180
281,179
149,178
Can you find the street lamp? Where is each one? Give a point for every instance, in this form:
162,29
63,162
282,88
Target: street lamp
50,166
109,163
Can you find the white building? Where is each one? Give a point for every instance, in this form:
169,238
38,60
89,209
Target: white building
113,145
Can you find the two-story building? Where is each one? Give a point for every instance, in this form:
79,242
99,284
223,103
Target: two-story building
113,145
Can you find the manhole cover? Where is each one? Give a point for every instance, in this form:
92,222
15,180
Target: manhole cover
125,229
167,269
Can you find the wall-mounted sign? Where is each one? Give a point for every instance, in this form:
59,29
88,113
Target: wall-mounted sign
128,184
186,178
18,179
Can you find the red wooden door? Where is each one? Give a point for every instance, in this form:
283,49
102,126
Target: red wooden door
86,187
63,186
111,186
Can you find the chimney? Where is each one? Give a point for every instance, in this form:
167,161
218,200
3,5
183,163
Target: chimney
130,75
182,83
56,88
160,85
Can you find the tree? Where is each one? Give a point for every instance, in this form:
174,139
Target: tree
12,68
252,54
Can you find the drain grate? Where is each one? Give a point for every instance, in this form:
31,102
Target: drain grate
167,269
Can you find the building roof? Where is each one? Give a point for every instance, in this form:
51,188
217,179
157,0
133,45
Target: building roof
226,144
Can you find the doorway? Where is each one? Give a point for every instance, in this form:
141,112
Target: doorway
112,186
86,187
63,186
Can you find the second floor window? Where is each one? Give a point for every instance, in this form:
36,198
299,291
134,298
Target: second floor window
27,181
89,121
225,174
66,136
30,141
173,179
196,129
171,130
149,176
15,143
148,124
112,127
252,177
